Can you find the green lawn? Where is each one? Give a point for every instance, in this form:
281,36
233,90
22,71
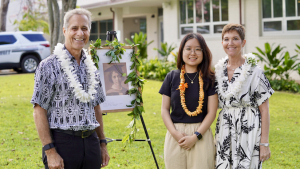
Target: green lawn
20,146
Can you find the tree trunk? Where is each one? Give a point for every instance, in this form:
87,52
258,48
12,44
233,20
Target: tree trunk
56,20
4,8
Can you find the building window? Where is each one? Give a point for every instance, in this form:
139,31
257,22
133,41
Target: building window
281,16
203,16
99,29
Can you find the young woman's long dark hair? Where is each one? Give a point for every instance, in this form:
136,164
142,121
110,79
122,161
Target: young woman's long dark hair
205,65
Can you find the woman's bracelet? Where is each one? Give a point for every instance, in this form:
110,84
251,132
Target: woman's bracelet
264,144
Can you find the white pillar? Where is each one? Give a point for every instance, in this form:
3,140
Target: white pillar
119,22
152,33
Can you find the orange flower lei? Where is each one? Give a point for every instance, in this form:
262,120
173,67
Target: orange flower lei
182,88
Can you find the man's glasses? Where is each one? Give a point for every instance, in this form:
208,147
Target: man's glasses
197,51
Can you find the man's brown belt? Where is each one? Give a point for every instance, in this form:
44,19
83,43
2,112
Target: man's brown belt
81,133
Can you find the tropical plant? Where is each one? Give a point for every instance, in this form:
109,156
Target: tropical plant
298,51
155,69
165,50
271,59
141,41
288,64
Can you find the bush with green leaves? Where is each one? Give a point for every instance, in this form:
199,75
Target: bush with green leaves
141,41
165,50
155,69
278,66
285,85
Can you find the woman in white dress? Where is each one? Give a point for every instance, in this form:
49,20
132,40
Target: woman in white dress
242,131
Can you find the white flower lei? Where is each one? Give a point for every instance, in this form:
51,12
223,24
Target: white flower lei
236,86
69,70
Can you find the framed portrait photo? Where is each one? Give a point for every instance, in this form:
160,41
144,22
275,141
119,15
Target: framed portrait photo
112,76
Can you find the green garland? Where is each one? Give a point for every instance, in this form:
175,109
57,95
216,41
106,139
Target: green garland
116,51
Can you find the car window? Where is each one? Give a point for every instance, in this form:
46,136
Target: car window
7,39
34,37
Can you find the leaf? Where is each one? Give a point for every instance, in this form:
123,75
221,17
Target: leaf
125,138
124,74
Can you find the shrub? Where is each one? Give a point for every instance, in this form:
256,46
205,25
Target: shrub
285,85
140,40
165,50
279,66
155,69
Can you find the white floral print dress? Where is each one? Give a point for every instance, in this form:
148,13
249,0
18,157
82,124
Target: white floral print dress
238,128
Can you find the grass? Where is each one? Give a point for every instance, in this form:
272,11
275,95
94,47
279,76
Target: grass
20,146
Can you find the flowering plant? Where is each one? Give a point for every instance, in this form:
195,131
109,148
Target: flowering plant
251,59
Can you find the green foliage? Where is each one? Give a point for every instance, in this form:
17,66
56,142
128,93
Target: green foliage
156,69
271,59
115,53
34,16
277,66
165,50
141,41
280,66
31,22
93,51
285,85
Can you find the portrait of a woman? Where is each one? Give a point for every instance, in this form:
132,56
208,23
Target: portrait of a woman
114,81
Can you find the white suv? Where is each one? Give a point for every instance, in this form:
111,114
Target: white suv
22,51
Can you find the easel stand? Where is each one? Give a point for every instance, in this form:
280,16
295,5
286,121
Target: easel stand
147,136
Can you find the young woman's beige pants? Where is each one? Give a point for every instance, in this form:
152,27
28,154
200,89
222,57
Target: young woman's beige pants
201,156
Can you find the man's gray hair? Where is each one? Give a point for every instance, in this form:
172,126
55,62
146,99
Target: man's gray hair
77,11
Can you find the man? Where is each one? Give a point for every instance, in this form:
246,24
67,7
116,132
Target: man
67,96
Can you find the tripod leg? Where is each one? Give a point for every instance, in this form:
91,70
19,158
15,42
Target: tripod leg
149,141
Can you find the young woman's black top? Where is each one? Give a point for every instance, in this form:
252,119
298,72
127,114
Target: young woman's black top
169,88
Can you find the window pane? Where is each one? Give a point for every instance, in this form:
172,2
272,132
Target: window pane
186,30
218,28
198,11
272,26
293,25
216,11
143,27
207,11
5,39
203,29
224,4
190,11
290,8
103,38
298,8
277,8
110,25
266,4
93,37
94,28
182,12
34,37
103,27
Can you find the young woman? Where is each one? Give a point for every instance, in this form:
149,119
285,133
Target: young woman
242,132
190,91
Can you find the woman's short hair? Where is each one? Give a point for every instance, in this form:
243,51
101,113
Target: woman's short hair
240,29
205,65
77,11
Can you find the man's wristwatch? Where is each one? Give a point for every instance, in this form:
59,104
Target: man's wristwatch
199,135
48,146
103,141
264,144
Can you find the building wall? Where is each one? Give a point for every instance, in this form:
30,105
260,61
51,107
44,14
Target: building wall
251,19
125,26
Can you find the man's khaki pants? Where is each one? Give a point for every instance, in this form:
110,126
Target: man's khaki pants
201,156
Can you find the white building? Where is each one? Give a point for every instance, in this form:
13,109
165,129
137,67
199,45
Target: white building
273,21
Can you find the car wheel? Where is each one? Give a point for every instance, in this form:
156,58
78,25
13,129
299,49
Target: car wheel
29,64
